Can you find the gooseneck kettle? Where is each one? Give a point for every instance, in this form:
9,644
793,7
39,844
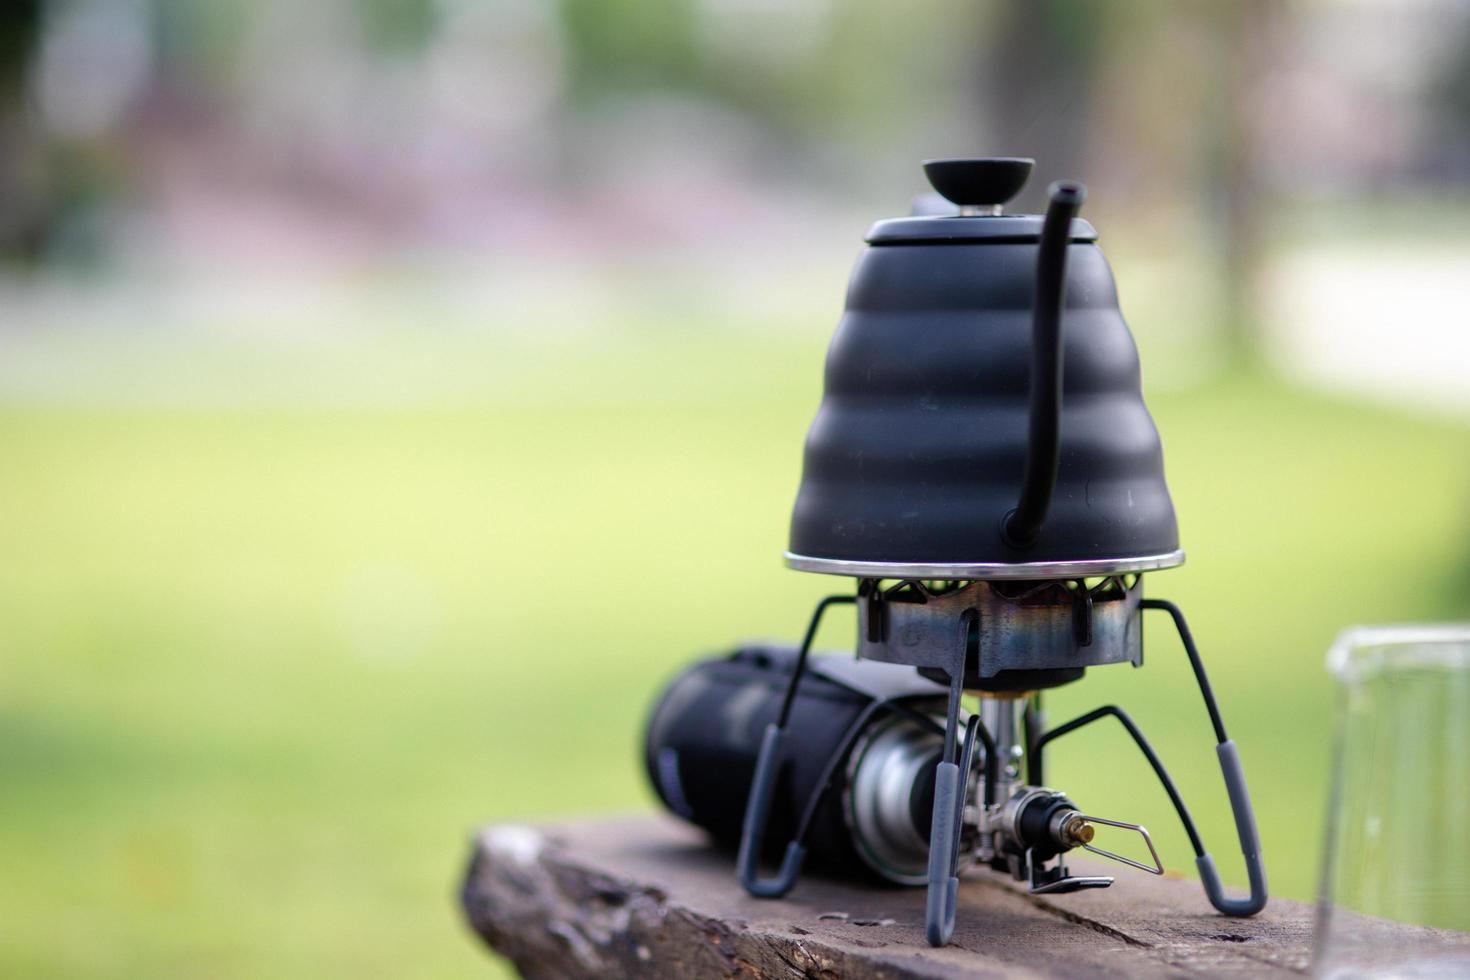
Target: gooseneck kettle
983,467
962,431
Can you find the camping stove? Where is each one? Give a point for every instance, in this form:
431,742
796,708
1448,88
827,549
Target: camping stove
996,516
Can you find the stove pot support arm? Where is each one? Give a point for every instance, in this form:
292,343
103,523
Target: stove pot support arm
1240,799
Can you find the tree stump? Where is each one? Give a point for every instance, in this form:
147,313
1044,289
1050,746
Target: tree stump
647,896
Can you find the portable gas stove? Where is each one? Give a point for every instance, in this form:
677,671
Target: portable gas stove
984,469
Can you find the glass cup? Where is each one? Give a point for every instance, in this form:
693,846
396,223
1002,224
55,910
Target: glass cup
1395,898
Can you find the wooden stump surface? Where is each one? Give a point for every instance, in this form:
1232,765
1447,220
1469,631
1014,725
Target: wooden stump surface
646,896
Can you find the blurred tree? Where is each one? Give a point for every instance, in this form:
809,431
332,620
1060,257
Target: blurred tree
801,71
1452,101
400,25
630,44
1164,101
1246,36
21,220
1036,78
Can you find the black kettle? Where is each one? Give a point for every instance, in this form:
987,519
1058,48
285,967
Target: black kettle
963,433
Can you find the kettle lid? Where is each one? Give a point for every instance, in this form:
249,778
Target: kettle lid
979,187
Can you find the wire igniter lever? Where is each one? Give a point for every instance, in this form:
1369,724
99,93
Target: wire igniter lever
1075,829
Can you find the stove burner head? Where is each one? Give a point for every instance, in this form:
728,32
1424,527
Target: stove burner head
950,443
1016,636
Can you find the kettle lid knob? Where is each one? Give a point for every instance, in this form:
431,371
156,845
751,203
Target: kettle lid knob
979,181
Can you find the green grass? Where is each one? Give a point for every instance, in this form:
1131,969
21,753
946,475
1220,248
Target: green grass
265,665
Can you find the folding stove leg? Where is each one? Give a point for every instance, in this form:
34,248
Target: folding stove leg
763,785
949,807
1240,798
1240,801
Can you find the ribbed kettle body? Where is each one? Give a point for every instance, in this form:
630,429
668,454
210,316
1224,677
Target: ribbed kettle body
918,450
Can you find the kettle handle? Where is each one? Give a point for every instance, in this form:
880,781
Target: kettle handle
1022,524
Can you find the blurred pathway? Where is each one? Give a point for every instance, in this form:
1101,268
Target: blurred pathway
1391,323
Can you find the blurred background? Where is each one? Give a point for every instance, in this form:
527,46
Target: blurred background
394,393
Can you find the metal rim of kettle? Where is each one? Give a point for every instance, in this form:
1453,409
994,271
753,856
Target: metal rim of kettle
984,571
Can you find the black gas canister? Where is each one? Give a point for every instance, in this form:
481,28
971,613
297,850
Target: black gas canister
867,739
